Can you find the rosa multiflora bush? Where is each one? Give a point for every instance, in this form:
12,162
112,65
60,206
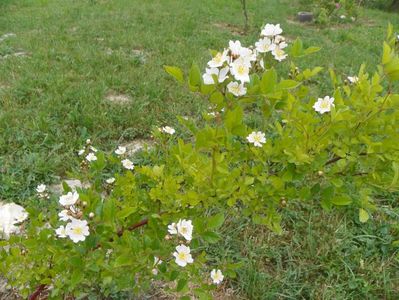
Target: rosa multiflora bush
266,141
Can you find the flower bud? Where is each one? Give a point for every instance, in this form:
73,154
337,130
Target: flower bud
91,215
168,237
84,203
320,173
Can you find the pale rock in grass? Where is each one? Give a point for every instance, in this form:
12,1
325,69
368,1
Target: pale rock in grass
120,99
74,184
137,145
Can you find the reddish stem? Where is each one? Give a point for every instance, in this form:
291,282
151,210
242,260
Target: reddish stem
37,292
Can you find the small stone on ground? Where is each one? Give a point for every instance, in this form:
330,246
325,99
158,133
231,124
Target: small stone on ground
117,98
72,183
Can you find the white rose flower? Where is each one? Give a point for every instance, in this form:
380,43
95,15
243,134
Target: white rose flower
110,180
324,104
279,39
127,164
271,30
216,276
353,79
168,130
41,188
61,232
10,215
240,70
121,150
256,138
172,228
264,45
183,255
247,55
279,54
220,74
235,47
91,157
218,60
81,152
237,89
64,216
185,229
69,199
77,230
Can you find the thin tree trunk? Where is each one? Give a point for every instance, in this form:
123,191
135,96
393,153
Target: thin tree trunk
245,12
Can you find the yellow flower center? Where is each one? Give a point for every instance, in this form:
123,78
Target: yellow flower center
182,256
257,138
279,52
235,89
325,104
218,58
241,70
78,230
184,230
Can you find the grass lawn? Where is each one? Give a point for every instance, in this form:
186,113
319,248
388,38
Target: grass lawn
78,52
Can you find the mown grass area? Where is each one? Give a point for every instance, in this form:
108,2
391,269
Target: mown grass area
80,51
52,100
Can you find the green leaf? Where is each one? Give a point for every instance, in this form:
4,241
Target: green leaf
123,260
176,72
341,200
311,50
127,211
194,76
216,98
363,215
269,81
215,221
296,49
288,84
234,121
210,237
181,284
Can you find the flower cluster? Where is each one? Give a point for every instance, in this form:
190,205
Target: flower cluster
11,215
183,228
233,65
88,152
76,229
182,254
42,192
126,163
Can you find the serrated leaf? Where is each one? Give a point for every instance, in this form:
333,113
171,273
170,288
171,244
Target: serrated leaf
175,72
341,200
215,221
124,213
210,237
195,76
268,81
181,284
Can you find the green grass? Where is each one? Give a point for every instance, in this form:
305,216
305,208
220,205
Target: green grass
52,100
320,255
